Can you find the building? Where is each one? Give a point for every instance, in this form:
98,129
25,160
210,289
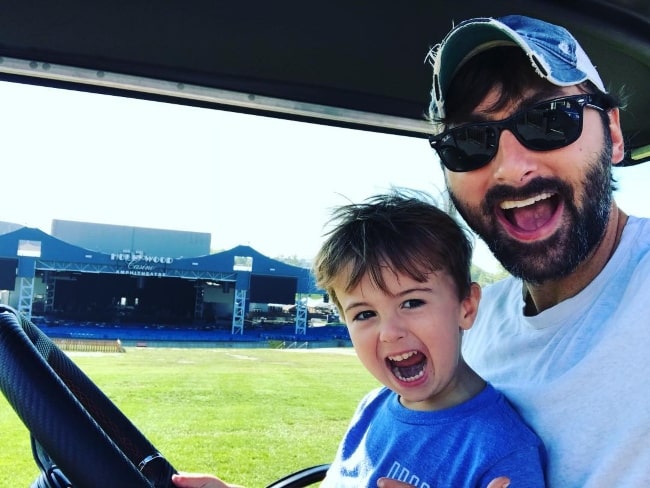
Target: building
132,274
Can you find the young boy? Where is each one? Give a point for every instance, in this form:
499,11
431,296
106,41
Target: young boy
398,269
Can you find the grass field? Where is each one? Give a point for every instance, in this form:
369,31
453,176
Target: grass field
248,415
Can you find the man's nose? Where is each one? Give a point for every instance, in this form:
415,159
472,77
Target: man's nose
513,163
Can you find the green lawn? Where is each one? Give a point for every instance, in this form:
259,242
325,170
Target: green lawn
248,415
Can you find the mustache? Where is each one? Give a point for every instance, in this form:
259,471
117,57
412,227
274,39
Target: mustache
499,193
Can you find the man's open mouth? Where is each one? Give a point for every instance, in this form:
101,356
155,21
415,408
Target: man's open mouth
408,366
532,213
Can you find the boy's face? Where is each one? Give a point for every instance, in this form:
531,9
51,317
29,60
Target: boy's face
409,339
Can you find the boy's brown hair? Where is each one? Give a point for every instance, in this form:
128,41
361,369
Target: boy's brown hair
402,230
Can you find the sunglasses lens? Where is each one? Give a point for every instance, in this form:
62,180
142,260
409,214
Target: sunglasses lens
543,127
550,125
468,148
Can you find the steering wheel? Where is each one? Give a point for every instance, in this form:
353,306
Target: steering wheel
71,421
79,437
304,477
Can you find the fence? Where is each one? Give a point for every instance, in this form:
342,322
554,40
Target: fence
89,345
289,345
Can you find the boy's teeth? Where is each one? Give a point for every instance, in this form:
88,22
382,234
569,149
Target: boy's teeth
408,366
411,378
402,357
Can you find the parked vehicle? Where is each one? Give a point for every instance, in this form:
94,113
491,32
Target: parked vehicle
345,64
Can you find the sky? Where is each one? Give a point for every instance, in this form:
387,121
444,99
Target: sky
258,181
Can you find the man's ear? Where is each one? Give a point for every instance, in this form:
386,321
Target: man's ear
469,307
616,133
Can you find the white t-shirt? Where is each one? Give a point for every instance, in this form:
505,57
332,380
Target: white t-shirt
579,372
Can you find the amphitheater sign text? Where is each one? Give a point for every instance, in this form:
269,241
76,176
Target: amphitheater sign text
140,264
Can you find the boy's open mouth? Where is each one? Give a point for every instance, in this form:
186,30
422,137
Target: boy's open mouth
408,366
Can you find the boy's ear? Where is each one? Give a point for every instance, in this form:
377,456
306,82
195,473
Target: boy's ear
469,307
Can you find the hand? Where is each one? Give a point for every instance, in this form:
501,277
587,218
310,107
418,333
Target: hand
193,480
501,482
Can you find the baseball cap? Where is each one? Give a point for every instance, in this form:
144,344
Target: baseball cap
555,54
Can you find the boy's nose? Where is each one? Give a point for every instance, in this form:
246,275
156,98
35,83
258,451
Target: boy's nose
392,330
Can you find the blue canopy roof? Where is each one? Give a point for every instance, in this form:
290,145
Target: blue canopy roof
53,254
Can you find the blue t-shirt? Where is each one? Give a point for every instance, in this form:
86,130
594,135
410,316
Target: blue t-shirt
464,446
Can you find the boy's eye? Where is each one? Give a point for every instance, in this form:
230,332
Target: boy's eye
365,315
413,303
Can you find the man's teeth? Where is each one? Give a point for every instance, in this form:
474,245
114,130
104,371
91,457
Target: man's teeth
507,205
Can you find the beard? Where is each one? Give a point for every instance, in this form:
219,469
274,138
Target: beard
560,254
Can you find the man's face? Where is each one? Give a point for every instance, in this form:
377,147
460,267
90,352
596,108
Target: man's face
540,212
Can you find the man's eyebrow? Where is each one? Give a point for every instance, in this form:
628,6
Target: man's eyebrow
538,97
521,104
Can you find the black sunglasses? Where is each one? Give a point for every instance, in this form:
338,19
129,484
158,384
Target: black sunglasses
547,125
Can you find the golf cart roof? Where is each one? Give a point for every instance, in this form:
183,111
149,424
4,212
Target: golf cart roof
353,64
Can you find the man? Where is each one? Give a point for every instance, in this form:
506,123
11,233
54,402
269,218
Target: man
527,134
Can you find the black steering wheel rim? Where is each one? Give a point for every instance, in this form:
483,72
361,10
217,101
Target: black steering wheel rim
302,478
84,433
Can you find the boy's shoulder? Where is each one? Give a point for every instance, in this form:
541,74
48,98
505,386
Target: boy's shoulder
374,399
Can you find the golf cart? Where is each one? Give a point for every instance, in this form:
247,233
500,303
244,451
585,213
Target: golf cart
347,64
